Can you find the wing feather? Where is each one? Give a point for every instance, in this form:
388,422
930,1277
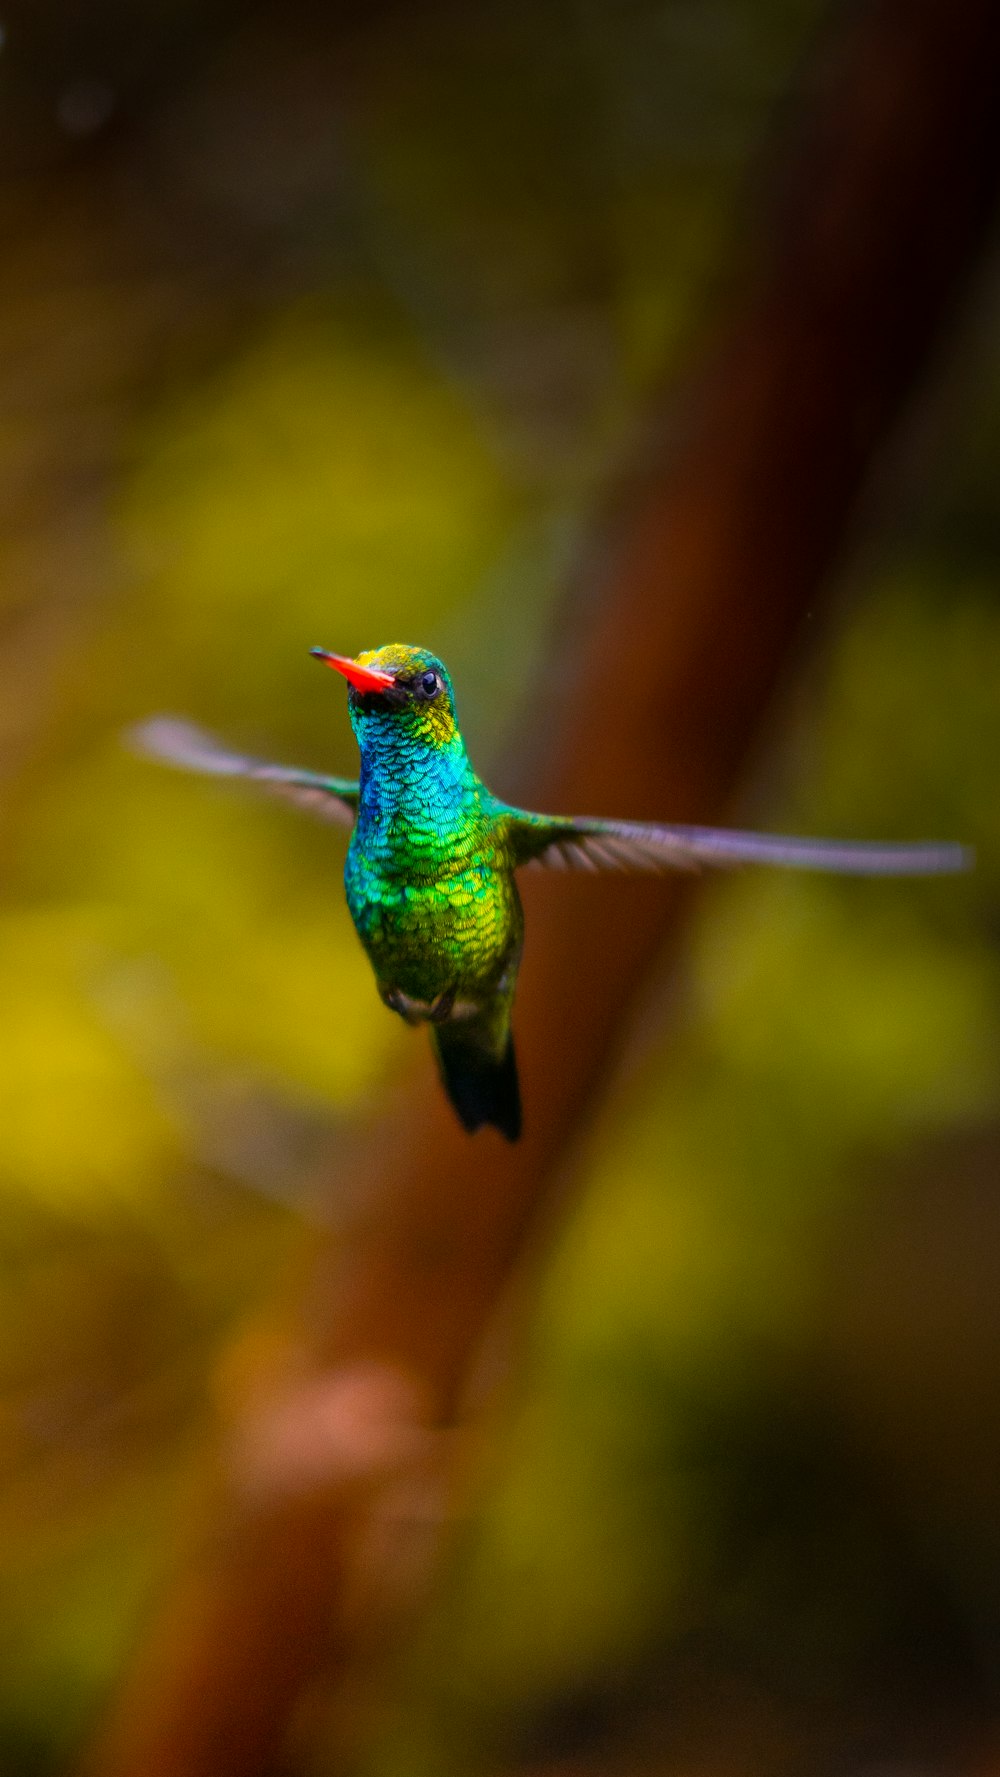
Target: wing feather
566,843
181,743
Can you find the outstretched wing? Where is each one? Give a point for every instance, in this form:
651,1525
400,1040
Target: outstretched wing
181,743
559,842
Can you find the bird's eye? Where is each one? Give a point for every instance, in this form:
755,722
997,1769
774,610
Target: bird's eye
429,684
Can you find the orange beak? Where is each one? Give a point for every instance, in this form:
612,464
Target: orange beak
363,678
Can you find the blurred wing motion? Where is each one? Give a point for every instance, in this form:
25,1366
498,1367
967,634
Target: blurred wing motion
180,743
560,843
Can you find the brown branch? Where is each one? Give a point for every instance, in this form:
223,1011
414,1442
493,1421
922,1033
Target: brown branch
895,169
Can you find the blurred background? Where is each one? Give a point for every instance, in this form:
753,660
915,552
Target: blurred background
336,324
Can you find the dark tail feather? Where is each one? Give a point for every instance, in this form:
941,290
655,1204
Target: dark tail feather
482,1089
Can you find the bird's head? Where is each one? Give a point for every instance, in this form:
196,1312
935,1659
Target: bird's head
397,691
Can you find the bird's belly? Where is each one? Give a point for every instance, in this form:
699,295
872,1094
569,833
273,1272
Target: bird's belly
455,933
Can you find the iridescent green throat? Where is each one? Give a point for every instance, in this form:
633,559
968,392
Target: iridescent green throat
420,800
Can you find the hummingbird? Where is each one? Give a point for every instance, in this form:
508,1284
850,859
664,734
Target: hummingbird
430,872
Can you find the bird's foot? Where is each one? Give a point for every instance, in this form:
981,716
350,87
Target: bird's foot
397,1001
441,1008
436,1011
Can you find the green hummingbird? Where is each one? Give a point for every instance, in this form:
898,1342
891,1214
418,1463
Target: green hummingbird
431,863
